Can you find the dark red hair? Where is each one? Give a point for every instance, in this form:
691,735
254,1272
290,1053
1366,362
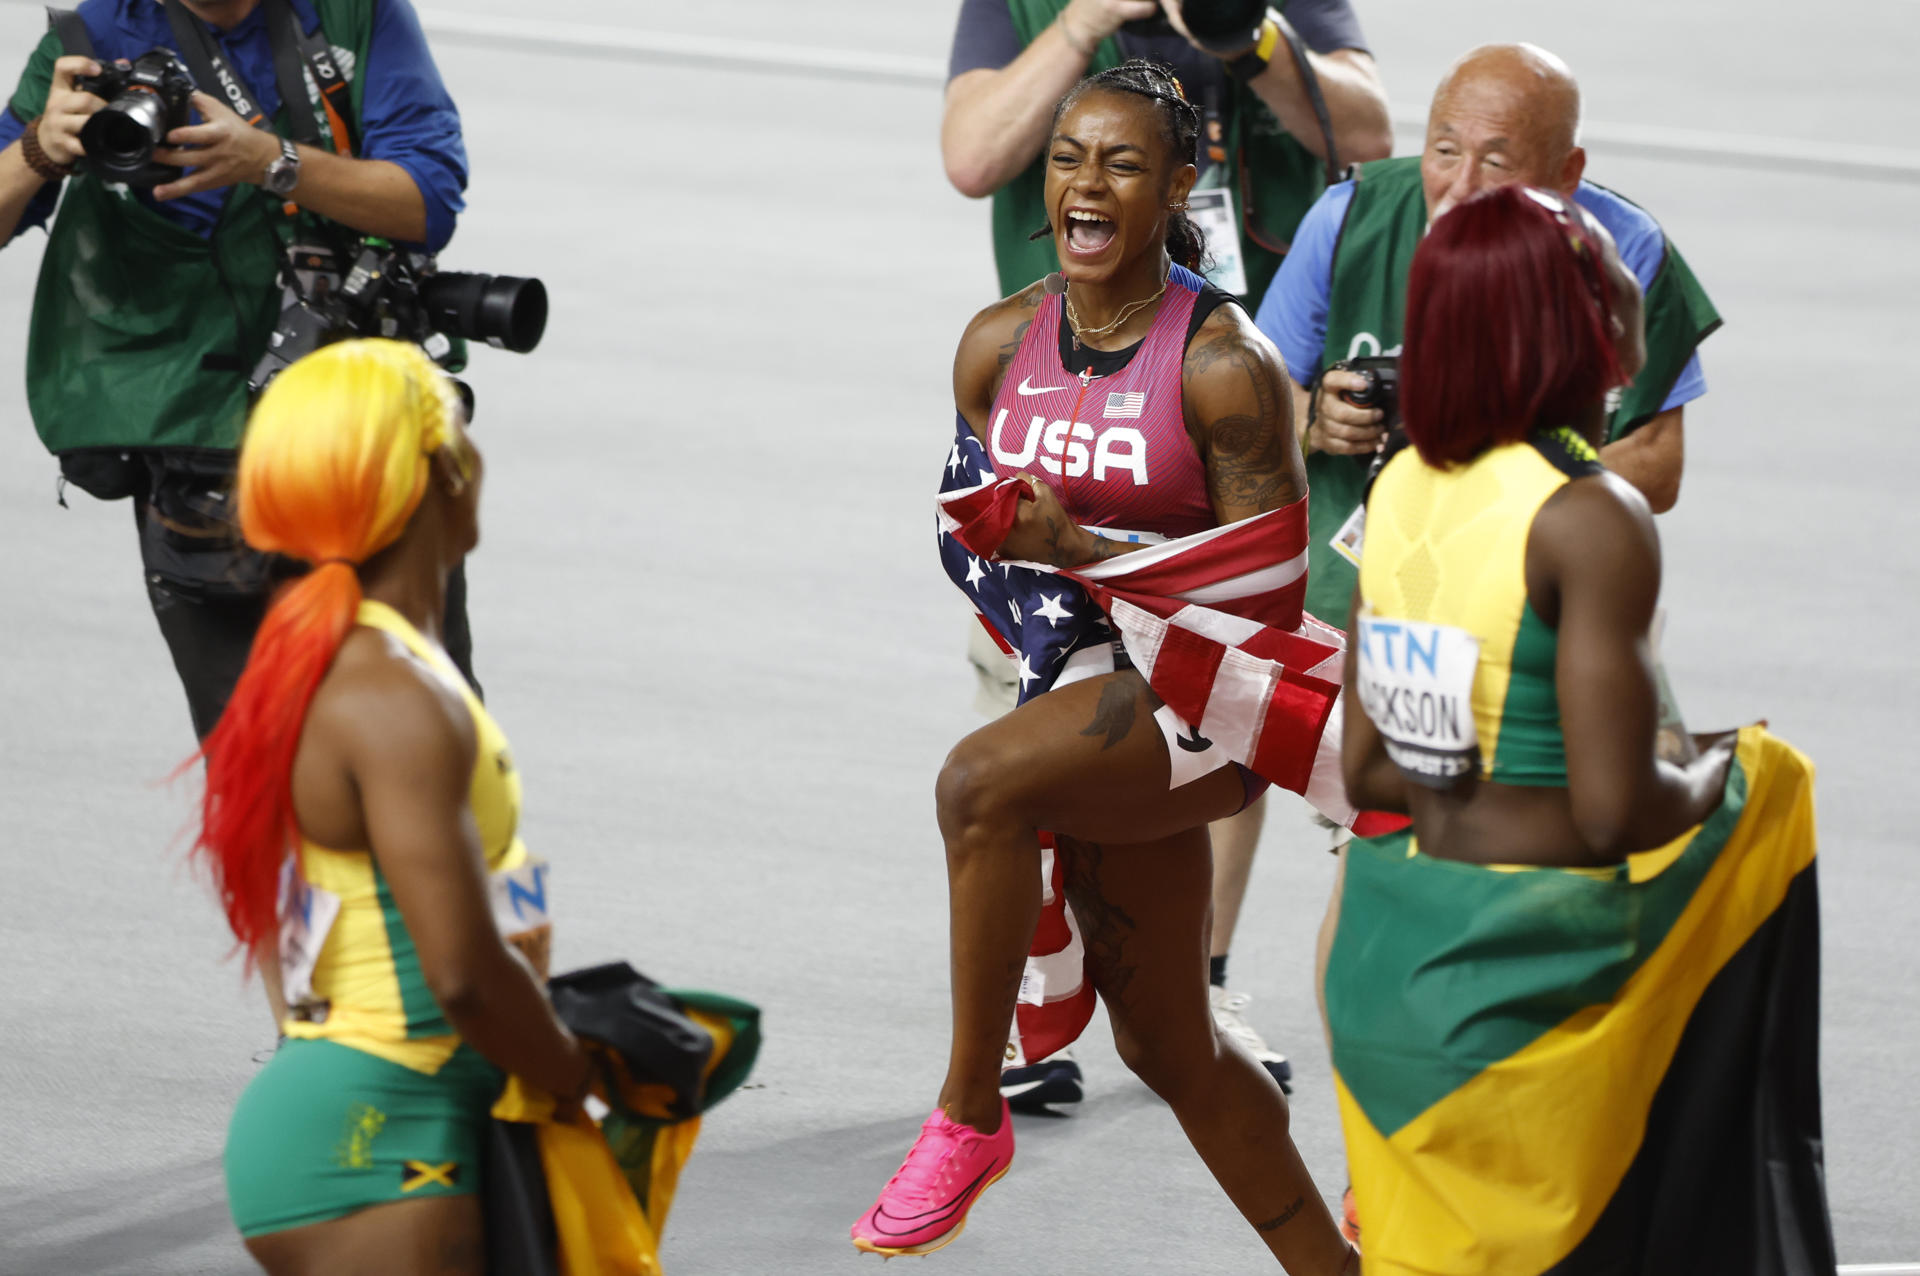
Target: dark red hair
1509,325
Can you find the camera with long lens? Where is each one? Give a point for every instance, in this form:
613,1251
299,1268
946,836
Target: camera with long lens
1220,26
145,100
380,290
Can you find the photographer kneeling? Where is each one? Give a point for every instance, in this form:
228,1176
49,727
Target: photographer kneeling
161,285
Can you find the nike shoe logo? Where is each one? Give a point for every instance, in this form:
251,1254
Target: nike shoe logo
1025,388
939,1213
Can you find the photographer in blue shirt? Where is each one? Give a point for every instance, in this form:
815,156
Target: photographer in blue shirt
159,290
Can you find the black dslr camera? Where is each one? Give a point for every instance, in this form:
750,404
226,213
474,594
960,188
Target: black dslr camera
1221,25
146,100
386,291
1382,389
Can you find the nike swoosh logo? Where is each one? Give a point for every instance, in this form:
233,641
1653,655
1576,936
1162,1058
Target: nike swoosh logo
1198,744
1025,388
939,1213
1015,1091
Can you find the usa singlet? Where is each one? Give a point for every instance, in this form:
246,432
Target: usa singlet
1106,430
348,964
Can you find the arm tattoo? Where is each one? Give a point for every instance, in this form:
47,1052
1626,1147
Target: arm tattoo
1249,454
1012,347
1284,1217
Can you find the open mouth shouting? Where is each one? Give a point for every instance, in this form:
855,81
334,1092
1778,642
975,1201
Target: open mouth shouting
1089,233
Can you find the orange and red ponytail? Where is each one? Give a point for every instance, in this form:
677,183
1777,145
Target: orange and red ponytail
333,466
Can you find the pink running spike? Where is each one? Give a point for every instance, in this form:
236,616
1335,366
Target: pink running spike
925,1205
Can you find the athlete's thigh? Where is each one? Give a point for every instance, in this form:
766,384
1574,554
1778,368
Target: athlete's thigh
1143,910
1088,760
434,1236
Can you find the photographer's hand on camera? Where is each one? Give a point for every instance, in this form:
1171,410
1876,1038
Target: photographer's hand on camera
66,111
372,196
220,150
1339,427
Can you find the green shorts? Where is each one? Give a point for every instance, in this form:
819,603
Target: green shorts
325,1130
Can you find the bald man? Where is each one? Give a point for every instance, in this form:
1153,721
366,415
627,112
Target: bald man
1503,113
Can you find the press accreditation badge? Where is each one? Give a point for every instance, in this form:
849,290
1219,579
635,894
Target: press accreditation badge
1212,211
1347,541
1416,684
307,914
520,910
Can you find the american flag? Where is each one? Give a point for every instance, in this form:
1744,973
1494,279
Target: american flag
1213,621
1123,406
1039,618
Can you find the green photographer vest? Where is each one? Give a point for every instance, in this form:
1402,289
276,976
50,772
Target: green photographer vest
129,305
1366,315
1273,177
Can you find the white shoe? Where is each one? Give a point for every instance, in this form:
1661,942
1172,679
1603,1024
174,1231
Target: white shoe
1229,1013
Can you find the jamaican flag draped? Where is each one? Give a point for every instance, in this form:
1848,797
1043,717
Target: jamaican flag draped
586,1198
1564,1072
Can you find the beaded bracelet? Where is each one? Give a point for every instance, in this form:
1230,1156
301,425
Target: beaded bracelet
37,159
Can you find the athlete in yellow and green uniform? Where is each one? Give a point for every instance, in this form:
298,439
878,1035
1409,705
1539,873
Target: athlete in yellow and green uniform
360,823
374,1097
1574,1010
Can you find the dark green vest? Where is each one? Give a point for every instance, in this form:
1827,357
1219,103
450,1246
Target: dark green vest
129,303
1273,177
1366,315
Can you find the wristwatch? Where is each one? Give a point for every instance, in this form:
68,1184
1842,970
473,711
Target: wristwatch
284,173
1255,60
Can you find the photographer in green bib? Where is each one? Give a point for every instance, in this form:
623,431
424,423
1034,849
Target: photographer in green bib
1288,95
1268,143
190,146
1503,113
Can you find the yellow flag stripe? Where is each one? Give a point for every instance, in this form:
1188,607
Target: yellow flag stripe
1510,1171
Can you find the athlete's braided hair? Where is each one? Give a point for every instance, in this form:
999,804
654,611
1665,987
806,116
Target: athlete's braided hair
1179,118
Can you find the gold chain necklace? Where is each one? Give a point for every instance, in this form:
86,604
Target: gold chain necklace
1126,313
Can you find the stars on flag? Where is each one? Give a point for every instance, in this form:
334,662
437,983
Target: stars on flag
1050,608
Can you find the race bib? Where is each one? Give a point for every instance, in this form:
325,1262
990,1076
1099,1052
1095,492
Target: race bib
1212,211
307,914
520,911
1416,684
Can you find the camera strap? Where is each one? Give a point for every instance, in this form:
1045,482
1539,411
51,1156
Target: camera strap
74,40
293,52
1310,81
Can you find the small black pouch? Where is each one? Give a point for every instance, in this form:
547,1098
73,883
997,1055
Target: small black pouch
105,473
190,533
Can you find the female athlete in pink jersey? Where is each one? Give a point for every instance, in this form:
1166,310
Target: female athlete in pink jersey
1136,402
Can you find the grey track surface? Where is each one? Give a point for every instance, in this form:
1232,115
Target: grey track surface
709,614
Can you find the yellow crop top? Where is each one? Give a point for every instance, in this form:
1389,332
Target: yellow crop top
348,965
1446,550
